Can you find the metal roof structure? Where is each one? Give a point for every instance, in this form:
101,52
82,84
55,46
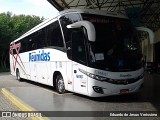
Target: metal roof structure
146,12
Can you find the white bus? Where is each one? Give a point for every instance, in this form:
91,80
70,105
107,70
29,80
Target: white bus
89,52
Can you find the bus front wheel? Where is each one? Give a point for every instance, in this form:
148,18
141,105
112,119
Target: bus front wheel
60,87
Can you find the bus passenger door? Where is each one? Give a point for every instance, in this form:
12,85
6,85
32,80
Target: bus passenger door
79,62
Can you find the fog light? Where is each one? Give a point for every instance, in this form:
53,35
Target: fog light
98,89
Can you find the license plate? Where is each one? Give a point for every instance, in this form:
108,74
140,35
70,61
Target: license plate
124,91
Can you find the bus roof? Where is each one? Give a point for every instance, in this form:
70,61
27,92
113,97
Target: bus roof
89,11
94,11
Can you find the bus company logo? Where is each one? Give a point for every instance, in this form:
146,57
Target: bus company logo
41,56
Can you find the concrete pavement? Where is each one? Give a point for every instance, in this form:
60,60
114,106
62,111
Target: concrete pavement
43,98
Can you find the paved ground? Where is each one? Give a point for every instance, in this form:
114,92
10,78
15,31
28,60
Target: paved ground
7,80
146,100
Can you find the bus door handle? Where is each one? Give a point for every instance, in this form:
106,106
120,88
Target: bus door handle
75,71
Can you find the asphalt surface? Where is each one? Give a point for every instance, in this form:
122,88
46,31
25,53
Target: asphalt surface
148,99
7,80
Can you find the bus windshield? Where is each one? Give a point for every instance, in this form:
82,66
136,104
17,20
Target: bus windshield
117,47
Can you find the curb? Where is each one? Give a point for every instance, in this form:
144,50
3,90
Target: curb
20,104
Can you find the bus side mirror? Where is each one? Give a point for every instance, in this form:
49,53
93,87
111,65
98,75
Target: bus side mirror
89,27
149,31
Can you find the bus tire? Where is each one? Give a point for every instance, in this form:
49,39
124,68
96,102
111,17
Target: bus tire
18,75
60,87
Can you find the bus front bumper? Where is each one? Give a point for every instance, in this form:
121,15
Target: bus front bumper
101,89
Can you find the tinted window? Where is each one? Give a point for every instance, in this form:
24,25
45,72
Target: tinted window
48,36
74,39
39,39
78,47
32,43
14,51
24,45
66,20
54,35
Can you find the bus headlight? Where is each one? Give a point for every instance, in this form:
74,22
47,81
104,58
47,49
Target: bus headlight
97,77
113,81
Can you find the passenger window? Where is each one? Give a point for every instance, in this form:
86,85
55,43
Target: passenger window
39,39
66,20
24,45
32,44
78,47
54,35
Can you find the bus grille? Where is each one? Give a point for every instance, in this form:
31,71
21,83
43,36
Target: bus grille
124,81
